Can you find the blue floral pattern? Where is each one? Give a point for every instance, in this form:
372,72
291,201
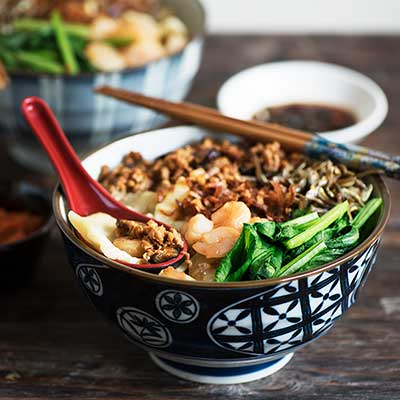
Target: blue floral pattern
179,307
143,327
90,278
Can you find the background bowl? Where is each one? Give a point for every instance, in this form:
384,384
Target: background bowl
279,83
215,333
90,120
18,259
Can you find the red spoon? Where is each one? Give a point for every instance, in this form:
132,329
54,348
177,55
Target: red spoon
85,195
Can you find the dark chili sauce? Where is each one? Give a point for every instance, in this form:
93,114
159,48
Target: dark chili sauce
308,117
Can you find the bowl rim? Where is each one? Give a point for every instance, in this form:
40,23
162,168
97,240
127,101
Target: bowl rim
126,71
355,132
48,219
379,185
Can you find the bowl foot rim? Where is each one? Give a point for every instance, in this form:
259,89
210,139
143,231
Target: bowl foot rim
221,376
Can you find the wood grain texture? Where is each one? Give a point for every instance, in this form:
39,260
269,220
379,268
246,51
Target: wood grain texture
54,345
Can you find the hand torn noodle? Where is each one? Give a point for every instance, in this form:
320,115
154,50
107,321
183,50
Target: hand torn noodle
98,230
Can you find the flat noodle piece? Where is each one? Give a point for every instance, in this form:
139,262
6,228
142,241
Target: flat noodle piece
134,247
203,268
172,273
97,230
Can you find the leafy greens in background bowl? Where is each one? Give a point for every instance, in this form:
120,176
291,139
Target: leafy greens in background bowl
88,119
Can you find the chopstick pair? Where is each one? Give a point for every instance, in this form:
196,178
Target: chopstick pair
354,156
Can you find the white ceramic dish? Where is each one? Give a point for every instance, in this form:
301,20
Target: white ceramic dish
286,82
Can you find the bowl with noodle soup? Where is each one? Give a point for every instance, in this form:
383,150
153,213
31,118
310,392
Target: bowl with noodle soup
192,325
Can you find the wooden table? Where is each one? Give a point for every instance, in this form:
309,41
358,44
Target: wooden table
53,344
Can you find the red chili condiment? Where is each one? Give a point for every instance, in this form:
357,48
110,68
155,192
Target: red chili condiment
17,225
308,117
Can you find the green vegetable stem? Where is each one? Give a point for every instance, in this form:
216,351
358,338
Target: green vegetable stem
301,260
236,255
299,221
327,219
41,25
366,212
78,30
38,63
64,44
299,244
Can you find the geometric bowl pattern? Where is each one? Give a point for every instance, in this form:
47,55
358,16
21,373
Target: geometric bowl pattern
292,314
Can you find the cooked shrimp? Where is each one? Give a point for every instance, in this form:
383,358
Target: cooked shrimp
196,227
142,52
103,27
171,25
217,243
138,26
233,214
172,273
175,43
104,57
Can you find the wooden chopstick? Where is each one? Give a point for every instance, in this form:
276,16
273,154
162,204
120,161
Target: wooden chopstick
292,139
204,116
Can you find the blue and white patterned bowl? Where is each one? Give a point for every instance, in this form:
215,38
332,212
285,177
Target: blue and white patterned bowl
215,333
91,120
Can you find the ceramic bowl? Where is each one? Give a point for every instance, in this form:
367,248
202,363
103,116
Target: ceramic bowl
19,259
215,333
89,119
279,83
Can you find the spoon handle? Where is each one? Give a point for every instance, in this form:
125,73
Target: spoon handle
85,195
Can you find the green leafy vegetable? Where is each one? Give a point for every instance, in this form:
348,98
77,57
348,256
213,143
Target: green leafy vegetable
288,231
253,245
236,255
302,220
302,259
271,250
38,45
324,257
266,229
63,43
345,240
41,25
267,264
326,220
38,63
366,212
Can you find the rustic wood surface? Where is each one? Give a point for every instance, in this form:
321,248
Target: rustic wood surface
53,344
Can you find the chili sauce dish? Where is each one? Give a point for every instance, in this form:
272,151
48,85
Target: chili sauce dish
272,264
335,102
25,222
